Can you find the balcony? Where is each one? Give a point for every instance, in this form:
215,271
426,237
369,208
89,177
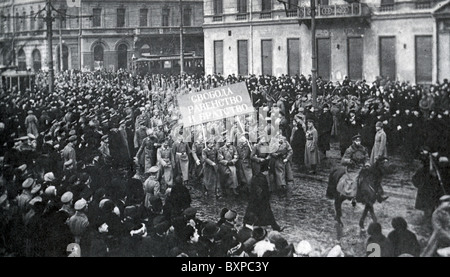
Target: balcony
217,18
265,15
336,11
386,8
423,5
240,17
292,13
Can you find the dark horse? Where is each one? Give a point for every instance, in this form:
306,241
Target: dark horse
368,184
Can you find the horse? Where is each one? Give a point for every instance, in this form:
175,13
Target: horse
368,184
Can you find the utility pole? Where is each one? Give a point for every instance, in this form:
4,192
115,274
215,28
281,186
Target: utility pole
313,48
80,59
61,67
181,40
313,54
51,73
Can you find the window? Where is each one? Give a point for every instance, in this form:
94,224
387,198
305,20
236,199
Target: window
97,20
187,16
266,57
355,58
292,4
424,59
17,20
266,5
98,56
218,57
242,6
165,17
387,58
37,64
293,56
21,60
387,2
122,59
242,57
2,23
324,58
218,7
62,18
324,2
23,21
143,17
120,17
32,20
8,23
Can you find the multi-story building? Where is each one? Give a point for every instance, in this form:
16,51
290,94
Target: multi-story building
403,40
111,32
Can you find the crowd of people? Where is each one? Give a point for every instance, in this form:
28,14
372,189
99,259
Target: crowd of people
106,162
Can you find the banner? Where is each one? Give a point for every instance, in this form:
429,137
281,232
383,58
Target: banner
214,104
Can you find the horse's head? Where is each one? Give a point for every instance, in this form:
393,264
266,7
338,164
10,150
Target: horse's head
383,165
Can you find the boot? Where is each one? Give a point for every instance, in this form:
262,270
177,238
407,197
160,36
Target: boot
381,197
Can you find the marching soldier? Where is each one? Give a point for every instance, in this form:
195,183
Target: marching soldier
197,150
244,165
281,161
227,157
260,153
165,161
181,152
210,175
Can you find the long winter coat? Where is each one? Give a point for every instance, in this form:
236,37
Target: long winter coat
379,147
311,147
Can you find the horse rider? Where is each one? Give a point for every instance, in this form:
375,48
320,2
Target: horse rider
356,157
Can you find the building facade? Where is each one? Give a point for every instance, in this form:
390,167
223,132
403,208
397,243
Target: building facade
403,40
110,35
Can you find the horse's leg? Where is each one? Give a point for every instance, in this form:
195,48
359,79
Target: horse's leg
338,208
372,213
363,216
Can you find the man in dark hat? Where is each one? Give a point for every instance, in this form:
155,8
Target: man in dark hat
325,124
259,200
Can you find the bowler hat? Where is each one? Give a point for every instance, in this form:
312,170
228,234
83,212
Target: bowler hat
210,230
259,233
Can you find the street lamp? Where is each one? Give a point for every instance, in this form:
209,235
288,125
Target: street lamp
313,48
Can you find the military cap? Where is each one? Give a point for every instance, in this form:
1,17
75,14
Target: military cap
49,177
28,183
67,197
80,204
35,188
153,169
50,190
35,200
230,215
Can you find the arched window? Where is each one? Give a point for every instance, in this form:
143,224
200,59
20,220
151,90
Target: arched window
98,56
37,64
21,60
65,58
122,59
